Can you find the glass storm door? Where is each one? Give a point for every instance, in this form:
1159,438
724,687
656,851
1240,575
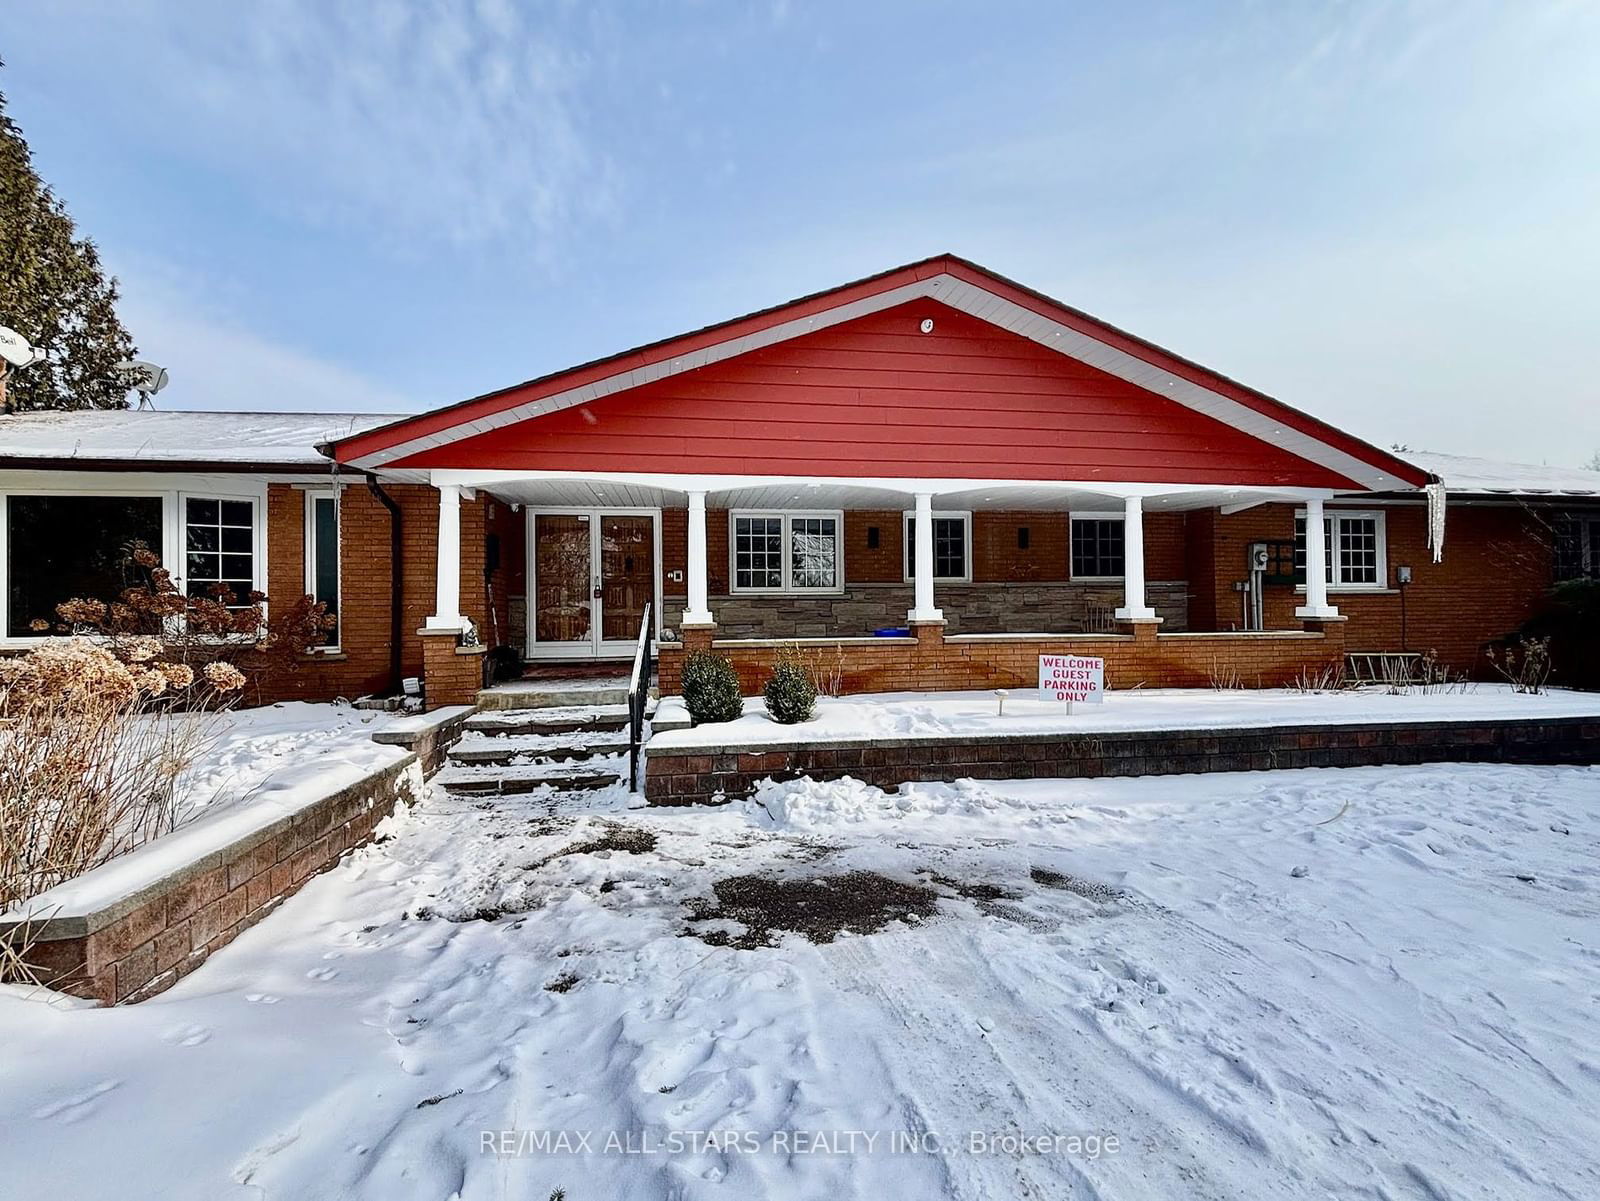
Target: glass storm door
594,571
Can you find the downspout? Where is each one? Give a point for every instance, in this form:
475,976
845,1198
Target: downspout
396,597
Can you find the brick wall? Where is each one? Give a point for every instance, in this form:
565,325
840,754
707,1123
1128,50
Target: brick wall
996,557
1497,566
932,661
698,775
1013,589
362,664
166,931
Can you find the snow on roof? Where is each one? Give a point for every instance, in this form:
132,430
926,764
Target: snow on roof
172,436
1461,473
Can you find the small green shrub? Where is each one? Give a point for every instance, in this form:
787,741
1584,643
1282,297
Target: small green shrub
711,689
791,696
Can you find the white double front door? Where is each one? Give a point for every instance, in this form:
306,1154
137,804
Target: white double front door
590,574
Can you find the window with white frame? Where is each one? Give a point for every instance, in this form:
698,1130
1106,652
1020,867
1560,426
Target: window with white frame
1577,546
952,546
1355,548
219,538
322,556
1097,546
786,552
61,547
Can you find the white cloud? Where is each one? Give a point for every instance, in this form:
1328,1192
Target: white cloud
418,124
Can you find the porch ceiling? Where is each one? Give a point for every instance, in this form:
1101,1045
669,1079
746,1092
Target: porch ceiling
645,492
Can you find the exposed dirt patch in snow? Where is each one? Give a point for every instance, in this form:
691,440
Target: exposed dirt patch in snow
565,982
1089,889
623,839
818,908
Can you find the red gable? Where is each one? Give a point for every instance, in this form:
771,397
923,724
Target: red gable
1008,384
878,397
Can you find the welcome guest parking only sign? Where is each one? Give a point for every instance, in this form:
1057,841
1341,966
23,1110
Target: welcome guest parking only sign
1072,678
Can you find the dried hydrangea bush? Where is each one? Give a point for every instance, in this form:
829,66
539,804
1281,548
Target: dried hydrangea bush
92,749
98,727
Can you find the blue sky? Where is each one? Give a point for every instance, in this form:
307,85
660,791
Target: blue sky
1387,214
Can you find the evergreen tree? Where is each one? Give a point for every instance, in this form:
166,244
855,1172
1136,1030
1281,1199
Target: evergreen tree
54,293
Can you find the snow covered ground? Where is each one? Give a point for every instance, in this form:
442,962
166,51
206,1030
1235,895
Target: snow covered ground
254,750
916,714
1380,982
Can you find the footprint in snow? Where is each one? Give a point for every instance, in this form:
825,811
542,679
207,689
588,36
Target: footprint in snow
186,1036
322,973
76,1107
261,998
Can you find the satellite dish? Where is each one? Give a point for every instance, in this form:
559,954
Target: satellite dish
145,378
14,349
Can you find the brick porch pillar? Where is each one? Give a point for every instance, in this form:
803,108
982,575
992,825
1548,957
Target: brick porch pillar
697,635
1142,629
451,674
928,658
1332,630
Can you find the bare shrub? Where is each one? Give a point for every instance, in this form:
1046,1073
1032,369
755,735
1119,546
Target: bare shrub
93,743
1424,675
196,630
1224,677
1329,678
825,671
1525,664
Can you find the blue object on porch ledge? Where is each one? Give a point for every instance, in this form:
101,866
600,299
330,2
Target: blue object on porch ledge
892,632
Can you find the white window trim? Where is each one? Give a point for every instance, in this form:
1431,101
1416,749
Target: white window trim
787,516
1095,515
1587,530
310,524
1381,525
965,516
173,489
257,535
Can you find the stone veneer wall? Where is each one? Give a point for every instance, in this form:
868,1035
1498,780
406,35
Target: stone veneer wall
136,945
697,775
986,608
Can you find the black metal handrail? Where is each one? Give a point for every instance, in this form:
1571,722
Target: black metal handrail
639,694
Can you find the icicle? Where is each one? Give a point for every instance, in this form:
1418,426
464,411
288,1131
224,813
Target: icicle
1436,506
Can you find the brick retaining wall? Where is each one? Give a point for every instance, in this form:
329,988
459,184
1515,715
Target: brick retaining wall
138,945
695,775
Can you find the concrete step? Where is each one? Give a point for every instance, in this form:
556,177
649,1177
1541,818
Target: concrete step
538,748
555,720
510,783
555,693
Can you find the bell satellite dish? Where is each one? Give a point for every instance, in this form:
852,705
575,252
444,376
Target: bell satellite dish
145,378
15,350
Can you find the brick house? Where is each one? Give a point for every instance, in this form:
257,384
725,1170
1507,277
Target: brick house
927,478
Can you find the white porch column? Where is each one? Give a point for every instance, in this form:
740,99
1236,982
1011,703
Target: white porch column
1133,606
699,610
447,586
1316,565
923,599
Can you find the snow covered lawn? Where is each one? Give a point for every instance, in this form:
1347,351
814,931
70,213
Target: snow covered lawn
259,751
1380,982
922,714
